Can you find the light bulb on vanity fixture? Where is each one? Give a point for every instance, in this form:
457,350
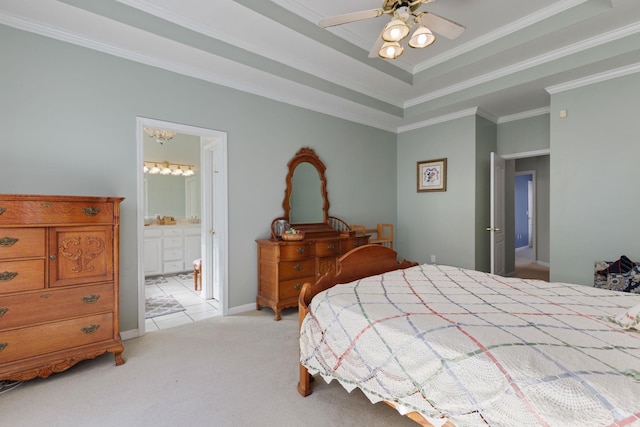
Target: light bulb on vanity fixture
154,169
166,168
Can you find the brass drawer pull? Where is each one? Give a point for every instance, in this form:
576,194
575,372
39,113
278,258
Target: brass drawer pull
90,329
8,241
3,345
297,286
3,310
8,275
300,250
90,299
2,210
331,247
45,296
297,267
91,211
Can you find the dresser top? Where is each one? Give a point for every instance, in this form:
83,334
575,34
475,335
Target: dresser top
50,197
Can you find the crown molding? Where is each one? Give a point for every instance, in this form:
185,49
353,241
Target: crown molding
529,63
499,33
445,118
272,54
524,115
596,78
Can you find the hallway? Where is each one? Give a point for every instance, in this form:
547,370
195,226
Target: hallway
527,268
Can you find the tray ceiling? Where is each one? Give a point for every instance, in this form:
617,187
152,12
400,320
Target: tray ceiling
511,56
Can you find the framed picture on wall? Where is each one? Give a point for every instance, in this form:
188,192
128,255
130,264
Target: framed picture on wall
432,175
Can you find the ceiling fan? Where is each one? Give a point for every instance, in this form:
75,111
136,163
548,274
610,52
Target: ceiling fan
404,14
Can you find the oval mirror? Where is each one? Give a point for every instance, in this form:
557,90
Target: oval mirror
306,195
306,205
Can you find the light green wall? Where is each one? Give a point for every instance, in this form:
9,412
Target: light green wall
69,117
525,135
594,177
69,123
438,223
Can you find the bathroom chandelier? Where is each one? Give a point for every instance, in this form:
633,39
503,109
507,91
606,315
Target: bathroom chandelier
160,135
166,168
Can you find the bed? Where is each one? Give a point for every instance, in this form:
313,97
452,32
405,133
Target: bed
456,347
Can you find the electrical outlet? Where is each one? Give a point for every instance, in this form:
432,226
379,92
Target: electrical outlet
433,258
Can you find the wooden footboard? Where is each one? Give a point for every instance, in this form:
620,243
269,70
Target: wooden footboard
361,262
367,260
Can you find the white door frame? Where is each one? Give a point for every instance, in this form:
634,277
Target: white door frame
496,226
524,155
215,242
211,136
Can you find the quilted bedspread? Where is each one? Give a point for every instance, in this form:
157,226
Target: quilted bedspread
478,349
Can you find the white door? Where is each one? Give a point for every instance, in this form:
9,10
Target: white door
496,228
214,225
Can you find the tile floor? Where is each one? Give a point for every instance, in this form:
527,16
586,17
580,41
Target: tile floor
181,287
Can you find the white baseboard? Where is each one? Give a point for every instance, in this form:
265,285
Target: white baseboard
127,335
241,309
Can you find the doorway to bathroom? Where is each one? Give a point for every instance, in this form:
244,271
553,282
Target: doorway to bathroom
188,225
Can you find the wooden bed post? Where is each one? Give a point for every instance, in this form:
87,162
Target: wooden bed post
304,383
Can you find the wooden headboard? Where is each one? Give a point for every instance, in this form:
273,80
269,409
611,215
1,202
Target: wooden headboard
365,261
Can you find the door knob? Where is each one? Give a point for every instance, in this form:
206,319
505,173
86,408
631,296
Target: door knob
212,231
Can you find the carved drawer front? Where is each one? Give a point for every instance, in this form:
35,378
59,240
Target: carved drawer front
297,251
21,343
295,269
18,276
328,247
80,255
31,308
46,212
21,243
350,244
291,288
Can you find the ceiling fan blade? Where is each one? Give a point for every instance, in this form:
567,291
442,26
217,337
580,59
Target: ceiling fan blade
350,17
440,25
373,53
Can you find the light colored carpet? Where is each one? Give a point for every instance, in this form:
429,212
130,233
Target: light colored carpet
226,371
532,271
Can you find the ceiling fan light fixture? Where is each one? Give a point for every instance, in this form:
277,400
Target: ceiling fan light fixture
390,50
395,30
422,37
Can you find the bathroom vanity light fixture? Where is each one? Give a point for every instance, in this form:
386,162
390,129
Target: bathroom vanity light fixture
166,168
160,135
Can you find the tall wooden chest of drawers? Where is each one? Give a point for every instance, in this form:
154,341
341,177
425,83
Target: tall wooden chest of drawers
59,285
284,266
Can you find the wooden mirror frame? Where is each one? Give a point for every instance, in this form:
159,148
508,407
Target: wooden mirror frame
308,155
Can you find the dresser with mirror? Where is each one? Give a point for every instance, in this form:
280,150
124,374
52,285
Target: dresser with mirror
285,265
